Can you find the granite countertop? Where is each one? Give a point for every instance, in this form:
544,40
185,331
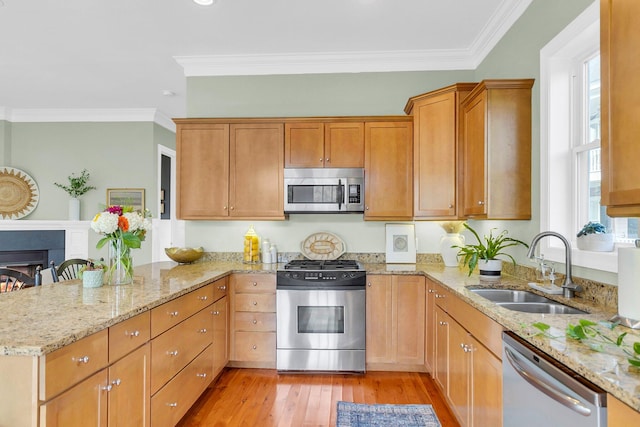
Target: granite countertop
40,320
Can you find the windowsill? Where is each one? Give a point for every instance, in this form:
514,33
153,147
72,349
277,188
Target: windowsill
605,261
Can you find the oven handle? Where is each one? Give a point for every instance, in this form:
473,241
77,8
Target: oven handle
340,193
312,287
545,387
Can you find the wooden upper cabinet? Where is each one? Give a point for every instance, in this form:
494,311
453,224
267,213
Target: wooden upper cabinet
496,150
203,170
436,117
388,170
323,145
230,170
619,38
256,183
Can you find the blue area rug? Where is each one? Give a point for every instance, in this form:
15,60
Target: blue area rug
363,415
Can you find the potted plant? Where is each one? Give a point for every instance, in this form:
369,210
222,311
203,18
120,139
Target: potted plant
92,274
78,185
485,253
594,237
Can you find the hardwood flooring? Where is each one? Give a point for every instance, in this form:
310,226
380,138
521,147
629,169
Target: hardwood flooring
262,397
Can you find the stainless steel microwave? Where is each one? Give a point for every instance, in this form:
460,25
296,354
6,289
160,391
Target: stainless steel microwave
324,190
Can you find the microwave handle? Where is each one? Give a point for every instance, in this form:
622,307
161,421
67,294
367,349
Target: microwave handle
340,193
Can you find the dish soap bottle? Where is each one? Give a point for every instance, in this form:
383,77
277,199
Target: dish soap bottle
251,246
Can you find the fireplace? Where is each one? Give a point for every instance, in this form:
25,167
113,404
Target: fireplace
25,250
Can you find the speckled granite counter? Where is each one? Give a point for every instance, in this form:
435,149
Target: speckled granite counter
40,320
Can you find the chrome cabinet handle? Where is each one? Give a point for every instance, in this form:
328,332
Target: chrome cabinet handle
202,298
255,283
133,334
222,288
255,303
116,382
107,387
255,347
255,322
172,353
172,405
81,359
450,206
203,375
173,313
480,202
203,331
232,208
215,313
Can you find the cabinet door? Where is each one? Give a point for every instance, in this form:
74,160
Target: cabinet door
408,319
474,157
388,170
441,361
486,387
435,157
304,145
619,36
85,404
430,325
220,345
344,145
379,319
256,186
460,372
130,394
203,170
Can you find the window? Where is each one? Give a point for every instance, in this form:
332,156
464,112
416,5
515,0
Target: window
570,134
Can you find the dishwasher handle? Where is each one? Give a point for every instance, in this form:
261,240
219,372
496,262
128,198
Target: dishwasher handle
547,388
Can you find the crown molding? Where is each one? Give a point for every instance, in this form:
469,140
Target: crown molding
33,115
324,62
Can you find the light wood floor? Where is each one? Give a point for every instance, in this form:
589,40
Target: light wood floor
260,397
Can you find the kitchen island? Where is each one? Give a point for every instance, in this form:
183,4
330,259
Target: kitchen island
37,322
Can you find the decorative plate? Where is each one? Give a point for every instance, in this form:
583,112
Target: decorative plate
19,193
322,245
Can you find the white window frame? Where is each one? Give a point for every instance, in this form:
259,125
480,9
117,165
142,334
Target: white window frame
558,166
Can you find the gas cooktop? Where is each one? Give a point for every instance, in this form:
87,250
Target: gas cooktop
338,264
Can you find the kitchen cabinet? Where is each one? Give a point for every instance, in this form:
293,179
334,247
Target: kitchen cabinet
230,170
620,78
395,322
253,320
496,150
388,163
429,326
220,315
324,144
468,366
436,134
619,414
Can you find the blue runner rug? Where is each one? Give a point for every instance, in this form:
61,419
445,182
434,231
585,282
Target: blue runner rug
363,415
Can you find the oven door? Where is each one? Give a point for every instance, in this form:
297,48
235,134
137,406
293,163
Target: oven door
321,319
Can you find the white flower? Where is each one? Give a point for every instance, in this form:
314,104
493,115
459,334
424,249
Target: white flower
135,220
105,223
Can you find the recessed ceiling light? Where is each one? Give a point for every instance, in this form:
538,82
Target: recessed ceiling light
204,2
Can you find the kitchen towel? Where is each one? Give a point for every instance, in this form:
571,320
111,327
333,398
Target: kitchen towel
629,283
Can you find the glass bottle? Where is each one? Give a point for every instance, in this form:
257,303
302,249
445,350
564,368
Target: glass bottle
251,247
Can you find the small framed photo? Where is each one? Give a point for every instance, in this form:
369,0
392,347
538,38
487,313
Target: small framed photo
400,243
126,197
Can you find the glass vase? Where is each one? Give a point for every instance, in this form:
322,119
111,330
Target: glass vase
120,263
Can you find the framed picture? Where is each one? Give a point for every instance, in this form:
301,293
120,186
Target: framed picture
126,197
400,243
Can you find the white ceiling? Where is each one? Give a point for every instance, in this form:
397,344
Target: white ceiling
68,56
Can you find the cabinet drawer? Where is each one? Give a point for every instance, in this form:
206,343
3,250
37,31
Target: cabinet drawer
173,312
129,335
254,283
173,350
255,321
220,288
255,346
72,363
175,398
256,302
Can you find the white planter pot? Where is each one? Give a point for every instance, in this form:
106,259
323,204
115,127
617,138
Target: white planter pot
92,278
449,254
603,242
490,269
74,209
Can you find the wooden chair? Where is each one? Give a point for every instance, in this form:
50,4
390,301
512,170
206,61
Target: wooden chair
14,280
68,270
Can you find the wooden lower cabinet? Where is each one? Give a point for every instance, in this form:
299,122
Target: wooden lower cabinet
619,414
429,330
466,370
129,389
395,322
253,320
220,347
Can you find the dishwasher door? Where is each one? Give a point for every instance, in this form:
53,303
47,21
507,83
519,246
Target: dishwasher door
537,391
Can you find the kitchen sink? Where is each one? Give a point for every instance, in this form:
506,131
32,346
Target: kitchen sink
524,301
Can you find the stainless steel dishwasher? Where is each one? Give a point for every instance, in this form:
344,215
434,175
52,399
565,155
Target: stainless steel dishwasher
538,391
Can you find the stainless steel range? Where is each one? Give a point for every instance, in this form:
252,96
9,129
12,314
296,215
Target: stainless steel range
321,316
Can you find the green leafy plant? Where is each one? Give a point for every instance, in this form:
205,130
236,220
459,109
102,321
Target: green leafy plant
91,265
490,248
592,228
77,184
591,334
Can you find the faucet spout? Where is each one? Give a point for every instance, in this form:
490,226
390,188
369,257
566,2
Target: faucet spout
568,286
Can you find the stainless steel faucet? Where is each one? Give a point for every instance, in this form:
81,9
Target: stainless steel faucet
569,288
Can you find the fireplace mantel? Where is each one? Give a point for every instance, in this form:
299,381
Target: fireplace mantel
76,234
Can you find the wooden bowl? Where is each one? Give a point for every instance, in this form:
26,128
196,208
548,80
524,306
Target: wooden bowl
184,255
